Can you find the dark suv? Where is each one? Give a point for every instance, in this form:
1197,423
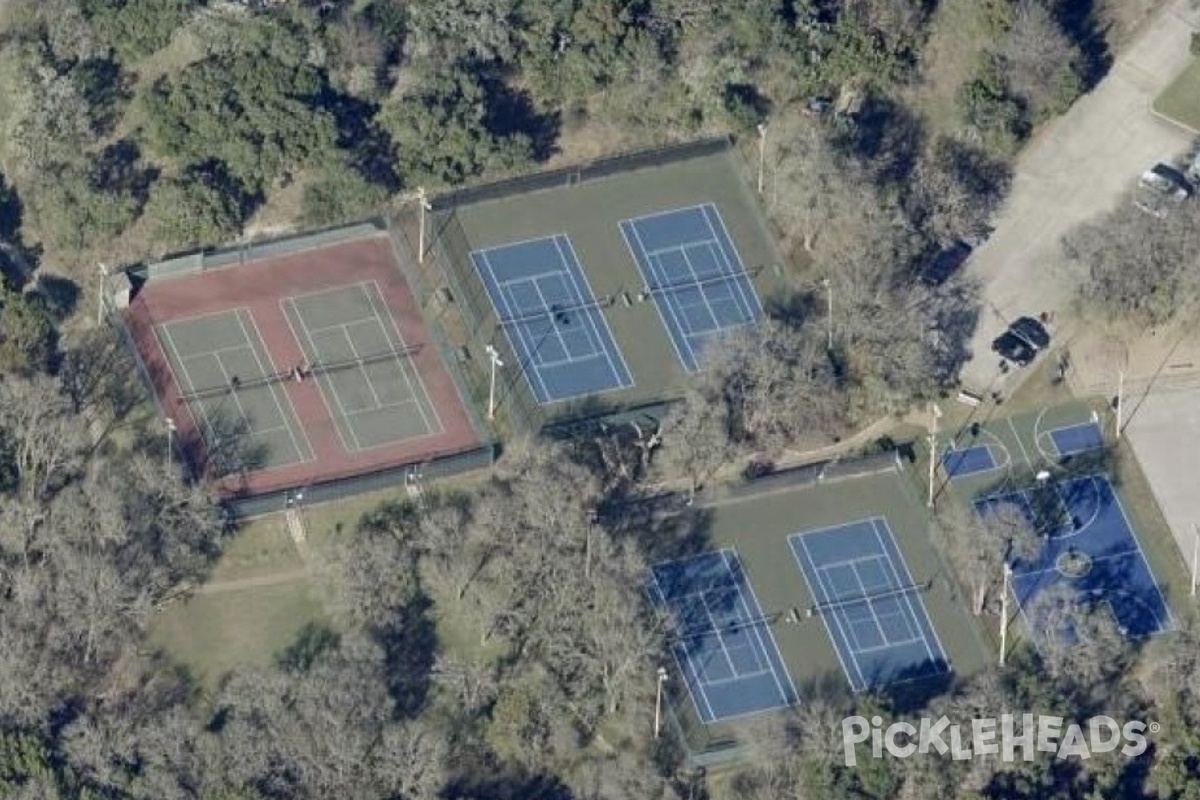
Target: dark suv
1012,347
1033,332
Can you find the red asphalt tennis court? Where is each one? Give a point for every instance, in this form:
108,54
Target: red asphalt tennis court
297,369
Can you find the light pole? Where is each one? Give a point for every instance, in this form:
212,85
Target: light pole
1120,399
494,358
1004,613
100,296
423,206
762,154
1195,555
935,414
828,286
662,678
170,438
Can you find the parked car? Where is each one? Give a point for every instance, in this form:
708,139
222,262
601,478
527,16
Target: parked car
1013,348
1167,181
1032,331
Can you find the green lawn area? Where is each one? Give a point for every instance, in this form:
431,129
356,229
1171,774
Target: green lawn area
258,598
1180,102
212,633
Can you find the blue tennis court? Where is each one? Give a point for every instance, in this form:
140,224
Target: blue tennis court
695,275
724,648
969,461
1084,516
873,612
552,319
1076,439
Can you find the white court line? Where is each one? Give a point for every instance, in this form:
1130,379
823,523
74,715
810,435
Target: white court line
311,453
362,368
270,387
1145,562
690,667
908,596
644,268
1020,444
725,556
863,596
526,350
667,213
661,301
625,377
712,623
584,306
406,363
734,255
312,347
234,395
678,247
712,314
861,684
206,422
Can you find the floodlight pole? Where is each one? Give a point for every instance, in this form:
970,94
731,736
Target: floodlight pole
934,414
662,678
762,154
494,358
103,270
424,206
1195,555
1004,613
170,439
1120,399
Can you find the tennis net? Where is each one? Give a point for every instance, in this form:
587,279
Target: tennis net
318,368
557,312
896,591
699,282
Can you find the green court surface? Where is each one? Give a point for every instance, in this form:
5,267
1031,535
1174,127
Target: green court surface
649,326
1180,101
368,382
231,388
755,521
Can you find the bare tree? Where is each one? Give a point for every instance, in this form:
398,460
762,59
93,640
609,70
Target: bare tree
979,546
1138,267
1079,639
955,188
1039,60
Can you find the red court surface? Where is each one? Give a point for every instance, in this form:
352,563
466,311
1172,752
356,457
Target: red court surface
261,288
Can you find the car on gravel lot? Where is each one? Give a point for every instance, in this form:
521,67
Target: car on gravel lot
1032,331
1013,348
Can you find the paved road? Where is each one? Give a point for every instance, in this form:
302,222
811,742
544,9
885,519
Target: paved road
1076,169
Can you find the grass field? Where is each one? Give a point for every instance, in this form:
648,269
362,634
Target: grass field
1180,102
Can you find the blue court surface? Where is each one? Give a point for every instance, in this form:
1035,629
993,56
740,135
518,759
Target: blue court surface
1077,439
874,614
1084,517
551,317
971,461
694,273
725,648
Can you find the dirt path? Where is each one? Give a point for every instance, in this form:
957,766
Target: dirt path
257,582
1078,168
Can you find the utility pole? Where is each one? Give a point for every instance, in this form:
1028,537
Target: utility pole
494,358
828,309
935,413
762,155
662,678
1120,399
1004,613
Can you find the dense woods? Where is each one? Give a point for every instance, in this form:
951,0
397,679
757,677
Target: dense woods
134,128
